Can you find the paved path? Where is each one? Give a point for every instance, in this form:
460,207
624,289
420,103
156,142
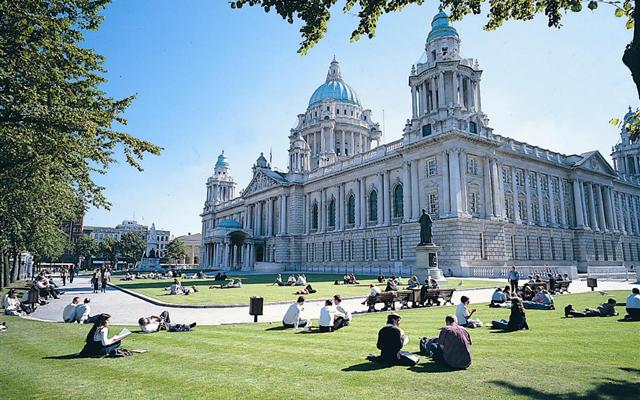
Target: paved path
126,309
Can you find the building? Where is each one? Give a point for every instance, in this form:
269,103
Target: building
348,202
193,245
102,232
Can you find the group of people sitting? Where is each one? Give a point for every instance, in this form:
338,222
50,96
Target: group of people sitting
350,279
333,315
230,284
536,299
12,304
76,312
42,289
176,288
292,280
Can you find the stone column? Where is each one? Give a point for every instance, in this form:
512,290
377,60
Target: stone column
406,192
563,211
543,221
353,143
414,102
363,203
527,190
270,217
627,213
486,180
623,214
415,191
454,183
607,208
472,86
552,202
283,214
455,89
386,189
434,106
441,95
601,217
612,204
259,218
445,198
592,208
380,200
469,94
478,97
514,194
323,147
495,188
462,159
225,256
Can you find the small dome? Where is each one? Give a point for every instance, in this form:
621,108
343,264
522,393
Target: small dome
261,162
334,88
222,162
229,224
299,143
440,27
630,116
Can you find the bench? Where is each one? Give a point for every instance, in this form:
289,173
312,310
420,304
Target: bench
435,294
386,298
562,287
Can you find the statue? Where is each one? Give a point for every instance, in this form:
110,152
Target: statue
426,222
152,253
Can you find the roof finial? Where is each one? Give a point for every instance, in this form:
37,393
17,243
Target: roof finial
334,71
440,8
334,58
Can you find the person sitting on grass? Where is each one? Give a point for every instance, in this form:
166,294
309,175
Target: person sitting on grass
497,298
452,347
330,318
542,300
517,319
278,281
391,339
337,300
413,283
527,293
291,280
82,313
157,323
69,312
98,343
44,288
301,281
531,281
352,279
607,309
373,294
507,292
463,315
633,305
293,317
306,290
232,284
12,305
176,288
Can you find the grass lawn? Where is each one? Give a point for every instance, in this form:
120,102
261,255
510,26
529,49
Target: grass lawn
563,359
261,285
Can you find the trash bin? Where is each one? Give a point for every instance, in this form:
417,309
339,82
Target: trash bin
256,305
592,283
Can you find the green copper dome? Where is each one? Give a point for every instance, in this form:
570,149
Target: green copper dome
440,27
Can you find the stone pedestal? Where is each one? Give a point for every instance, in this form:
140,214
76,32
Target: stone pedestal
149,265
427,263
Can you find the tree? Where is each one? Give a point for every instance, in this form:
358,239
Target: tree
57,127
315,15
108,250
176,250
132,246
86,247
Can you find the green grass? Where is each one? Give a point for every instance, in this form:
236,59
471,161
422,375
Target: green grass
563,359
261,285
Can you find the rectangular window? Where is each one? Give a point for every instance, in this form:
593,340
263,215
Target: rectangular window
605,252
426,130
506,176
472,165
540,253
553,249
613,251
595,249
473,127
508,206
364,249
564,250
350,250
400,250
433,203
522,209
374,248
624,253
546,212
474,207
432,167
527,248
544,183
390,249
520,177
533,183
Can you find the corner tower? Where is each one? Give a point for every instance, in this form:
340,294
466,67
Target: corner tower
221,186
626,154
445,88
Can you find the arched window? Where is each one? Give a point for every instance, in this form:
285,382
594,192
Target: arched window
314,216
373,206
398,202
332,213
351,210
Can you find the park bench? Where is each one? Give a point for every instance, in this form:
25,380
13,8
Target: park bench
435,294
562,287
386,298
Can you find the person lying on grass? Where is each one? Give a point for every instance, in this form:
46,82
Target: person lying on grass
157,323
306,290
517,319
391,339
452,347
177,288
603,310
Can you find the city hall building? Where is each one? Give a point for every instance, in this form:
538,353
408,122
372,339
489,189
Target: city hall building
348,201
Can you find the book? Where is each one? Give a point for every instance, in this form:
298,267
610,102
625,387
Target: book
123,334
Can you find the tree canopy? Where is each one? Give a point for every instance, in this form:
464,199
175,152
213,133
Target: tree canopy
176,249
132,246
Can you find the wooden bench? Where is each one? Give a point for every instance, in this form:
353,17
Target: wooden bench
562,287
386,298
435,294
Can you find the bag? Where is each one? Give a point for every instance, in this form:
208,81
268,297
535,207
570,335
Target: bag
424,346
117,353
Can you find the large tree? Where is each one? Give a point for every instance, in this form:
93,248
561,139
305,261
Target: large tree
87,248
315,15
176,250
57,126
108,250
132,246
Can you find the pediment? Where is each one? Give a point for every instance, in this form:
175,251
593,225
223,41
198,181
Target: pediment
595,162
260,182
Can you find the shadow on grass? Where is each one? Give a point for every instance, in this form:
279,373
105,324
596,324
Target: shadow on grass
628,320
366,366
64,357
630,370
609,389
277,328
431,367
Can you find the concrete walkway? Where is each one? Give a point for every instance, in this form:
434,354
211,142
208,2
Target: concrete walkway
127,309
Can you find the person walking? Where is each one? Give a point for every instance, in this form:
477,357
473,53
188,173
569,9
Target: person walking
72,273
63,275
513,277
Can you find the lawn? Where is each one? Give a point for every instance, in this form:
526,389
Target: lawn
563,359
262,285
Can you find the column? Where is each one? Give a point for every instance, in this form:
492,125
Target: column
455,89
583,198
563,211
461,89
462,159
552,202
446,193
486,178
414,101
495,189
601,217
627,214
543,222
406,192
323,147
423,98
469,94
340,210
478,97
454,183
283,214
386,184
353,143
592,207
634,213
270,217
473,94
441,96
225,255
380,200
607,208
259,218
623,213
527,191
433,94
415,191
514,194
614,218
363,203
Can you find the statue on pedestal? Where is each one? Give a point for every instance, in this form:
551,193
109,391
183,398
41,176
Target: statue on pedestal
426,236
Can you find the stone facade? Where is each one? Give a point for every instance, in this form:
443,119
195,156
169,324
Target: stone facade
162,237
347,202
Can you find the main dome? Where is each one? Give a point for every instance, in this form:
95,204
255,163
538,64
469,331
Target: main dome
334,88
440,27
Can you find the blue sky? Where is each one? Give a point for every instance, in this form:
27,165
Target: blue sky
210,78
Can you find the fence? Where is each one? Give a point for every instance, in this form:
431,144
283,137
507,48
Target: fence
399,270
501,272
617,272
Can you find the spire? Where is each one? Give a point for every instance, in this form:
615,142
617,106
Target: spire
334,71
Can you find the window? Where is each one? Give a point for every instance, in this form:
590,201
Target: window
540,254
544,183
374,249
527,248
553,249
332,213
350,250
472,165
513,247
400,249
432,167
373,206
546,211
605,252
535,209
426,130
508,206
595,249
506,176
351,210
398,202
473,127
364,249
445,50
432,199
520,177
314,216
474,207
522,209
533,183
564,250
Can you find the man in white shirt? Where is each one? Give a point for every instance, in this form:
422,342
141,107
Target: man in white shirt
330,319
82,313
337,300
156,323
463,315
292,318
633,305
69,312
301,281
513,277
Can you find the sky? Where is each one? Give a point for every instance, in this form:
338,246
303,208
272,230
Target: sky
209,78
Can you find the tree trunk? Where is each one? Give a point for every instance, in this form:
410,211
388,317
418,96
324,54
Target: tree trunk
2,266
631,56
6,269
15,270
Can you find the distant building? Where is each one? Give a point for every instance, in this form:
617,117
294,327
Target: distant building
193,246
100,233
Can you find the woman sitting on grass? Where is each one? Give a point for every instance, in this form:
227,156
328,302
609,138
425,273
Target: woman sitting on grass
517,319
97,343
541,301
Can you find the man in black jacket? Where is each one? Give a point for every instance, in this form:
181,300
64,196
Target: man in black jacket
390,341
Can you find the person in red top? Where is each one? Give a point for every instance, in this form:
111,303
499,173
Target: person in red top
453,345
